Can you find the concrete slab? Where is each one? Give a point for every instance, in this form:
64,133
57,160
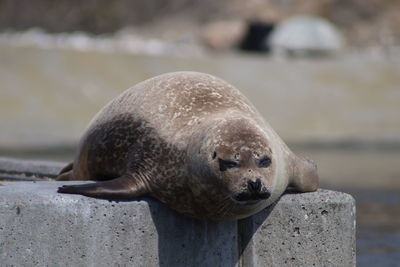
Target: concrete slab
26,168
312,229
40,227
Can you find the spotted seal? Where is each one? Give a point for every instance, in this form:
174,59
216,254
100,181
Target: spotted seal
192,141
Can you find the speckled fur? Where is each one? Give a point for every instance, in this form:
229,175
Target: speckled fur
163,132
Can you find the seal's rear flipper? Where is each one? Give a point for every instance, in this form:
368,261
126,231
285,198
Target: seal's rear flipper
67,168
305,177
66,176
124,187
66,173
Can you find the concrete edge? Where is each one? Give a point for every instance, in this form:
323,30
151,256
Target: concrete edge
22,169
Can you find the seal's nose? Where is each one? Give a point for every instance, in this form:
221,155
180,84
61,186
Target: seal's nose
255,191
254,186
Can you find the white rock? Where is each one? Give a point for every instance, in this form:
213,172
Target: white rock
305,35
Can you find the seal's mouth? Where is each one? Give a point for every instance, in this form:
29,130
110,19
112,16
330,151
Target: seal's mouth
250,197
246,196
254,192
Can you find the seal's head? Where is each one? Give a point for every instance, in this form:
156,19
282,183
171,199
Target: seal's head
235,154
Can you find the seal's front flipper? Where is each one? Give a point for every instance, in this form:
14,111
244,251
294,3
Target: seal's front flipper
305,177
124,187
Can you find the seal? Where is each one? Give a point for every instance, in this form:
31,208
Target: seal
193,142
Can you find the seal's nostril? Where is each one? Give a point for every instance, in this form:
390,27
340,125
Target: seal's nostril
254,187
250,185
258,185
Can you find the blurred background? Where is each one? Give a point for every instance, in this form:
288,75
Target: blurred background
325,75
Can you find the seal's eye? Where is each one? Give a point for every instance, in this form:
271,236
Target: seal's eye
214,155
227,164
264,162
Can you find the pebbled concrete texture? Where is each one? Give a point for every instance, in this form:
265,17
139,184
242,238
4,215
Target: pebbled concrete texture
41,227
311,229
29,168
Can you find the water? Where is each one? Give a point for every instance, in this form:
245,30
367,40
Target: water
377,248
378,227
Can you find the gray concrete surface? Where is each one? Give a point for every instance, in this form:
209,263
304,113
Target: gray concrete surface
313,229
29,168
40,227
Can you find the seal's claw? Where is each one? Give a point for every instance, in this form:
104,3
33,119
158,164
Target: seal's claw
65,189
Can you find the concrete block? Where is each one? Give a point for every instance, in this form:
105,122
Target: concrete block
35,168
312,229
39,227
